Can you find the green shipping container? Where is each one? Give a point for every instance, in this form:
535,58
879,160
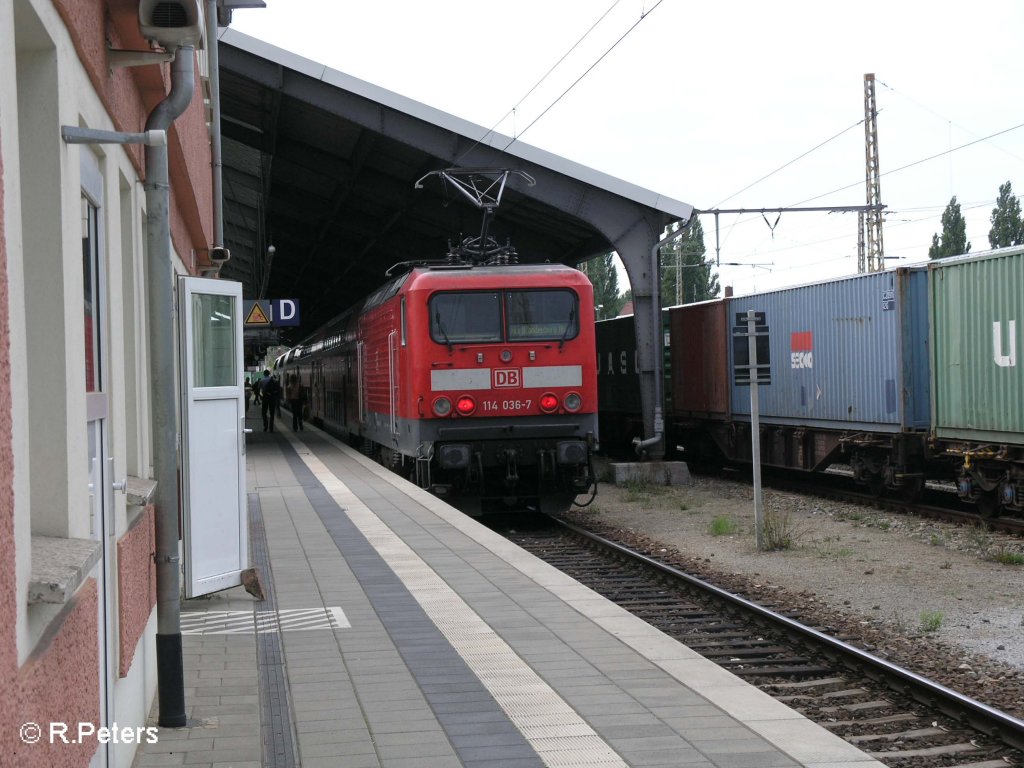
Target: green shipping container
977,341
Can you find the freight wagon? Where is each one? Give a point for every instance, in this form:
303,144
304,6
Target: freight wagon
977,303
905,375
849,378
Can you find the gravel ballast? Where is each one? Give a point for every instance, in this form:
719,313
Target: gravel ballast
925,594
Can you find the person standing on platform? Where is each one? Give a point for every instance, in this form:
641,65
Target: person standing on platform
263,383
270,392
295,396
248,394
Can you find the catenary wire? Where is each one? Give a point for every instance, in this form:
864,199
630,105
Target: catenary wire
728,233
786,165
858,183
886,173
590,69
944,118
536,85
916,162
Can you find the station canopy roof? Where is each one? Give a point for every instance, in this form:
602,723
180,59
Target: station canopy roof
319,175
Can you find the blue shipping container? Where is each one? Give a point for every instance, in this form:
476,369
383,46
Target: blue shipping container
847,354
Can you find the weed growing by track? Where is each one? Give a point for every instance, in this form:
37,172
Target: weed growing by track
931,620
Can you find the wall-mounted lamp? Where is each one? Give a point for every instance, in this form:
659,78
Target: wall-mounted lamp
271,250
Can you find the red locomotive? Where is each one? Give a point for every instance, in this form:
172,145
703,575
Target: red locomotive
475,381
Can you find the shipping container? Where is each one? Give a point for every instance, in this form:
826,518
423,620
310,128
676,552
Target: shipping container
977,338
849,354
620,417
618,382
699,362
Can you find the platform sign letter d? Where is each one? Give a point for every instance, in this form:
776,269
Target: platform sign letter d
286,312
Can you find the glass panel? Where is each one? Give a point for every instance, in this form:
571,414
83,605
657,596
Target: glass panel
90,282
542,315
213,341
94,450
465,317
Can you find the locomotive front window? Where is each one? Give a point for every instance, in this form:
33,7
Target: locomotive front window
469,317
536,315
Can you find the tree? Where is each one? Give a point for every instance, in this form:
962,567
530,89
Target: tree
685,277
953,241
627,298
1007,225
605,279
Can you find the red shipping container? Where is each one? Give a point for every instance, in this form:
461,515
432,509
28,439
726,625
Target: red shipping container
700,339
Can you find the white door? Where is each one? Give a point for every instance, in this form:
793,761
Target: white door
95,343
213,439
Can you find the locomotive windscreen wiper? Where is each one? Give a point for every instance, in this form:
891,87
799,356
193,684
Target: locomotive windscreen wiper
568,327
440,327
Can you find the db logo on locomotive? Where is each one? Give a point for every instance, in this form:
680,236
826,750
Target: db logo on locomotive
507,377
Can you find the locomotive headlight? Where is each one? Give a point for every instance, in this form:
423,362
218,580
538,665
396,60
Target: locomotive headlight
442,406
573,402
548,402
506,355
465,405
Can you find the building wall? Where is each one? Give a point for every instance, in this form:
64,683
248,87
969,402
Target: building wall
129,95
54,71
56,685
136,586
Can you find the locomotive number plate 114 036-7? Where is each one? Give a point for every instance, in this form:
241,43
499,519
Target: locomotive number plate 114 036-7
506,405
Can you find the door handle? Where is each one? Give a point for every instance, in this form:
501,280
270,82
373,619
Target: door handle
118,485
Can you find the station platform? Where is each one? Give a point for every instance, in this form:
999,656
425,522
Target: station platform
395,632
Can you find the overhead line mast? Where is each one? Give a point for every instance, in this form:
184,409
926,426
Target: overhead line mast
870,253
871,257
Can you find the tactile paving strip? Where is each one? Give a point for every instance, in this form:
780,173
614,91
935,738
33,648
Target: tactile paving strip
517,689
275,710
244,622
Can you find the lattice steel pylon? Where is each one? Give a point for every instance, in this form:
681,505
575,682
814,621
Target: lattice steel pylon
874,260
861,254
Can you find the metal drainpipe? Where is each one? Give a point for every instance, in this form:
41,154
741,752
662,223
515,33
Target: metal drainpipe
216,156
160,285
640,446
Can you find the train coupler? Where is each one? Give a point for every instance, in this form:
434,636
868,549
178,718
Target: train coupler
511,468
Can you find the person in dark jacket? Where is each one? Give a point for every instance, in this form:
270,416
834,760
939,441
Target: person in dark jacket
270,393
295,396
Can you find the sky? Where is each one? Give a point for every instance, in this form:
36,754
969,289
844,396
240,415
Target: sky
720,105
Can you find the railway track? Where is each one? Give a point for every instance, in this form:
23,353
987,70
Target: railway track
932,504
902,719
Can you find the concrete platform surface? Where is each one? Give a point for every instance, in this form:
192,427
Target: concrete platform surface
398,633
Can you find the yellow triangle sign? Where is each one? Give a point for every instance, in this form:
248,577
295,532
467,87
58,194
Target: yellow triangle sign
256,316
